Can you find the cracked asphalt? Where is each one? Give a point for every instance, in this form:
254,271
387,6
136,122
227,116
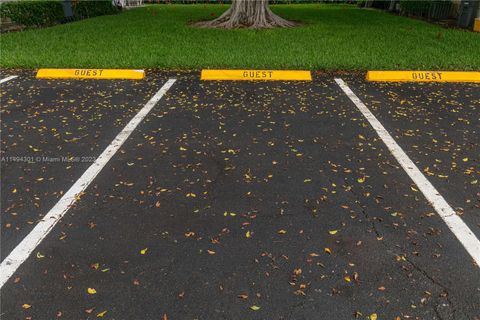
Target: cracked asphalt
235,200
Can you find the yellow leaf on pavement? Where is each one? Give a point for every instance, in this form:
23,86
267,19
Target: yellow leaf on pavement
91,291
101,314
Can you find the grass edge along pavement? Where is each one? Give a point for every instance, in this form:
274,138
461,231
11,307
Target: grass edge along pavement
333,37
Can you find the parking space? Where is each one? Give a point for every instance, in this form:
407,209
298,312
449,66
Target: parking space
52,131
236,200
439,127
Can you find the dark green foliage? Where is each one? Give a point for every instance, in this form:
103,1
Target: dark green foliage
88,9
32,13
47,13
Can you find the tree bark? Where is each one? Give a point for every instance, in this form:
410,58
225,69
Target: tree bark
254,14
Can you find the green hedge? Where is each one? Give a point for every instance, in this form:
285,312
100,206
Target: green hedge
88,9
47,13
32,13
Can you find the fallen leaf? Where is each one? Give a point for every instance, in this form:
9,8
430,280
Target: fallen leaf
26,306
143,251
255,308
91,291
101,314
333,232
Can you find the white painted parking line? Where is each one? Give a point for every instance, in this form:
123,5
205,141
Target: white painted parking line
453,221
21,252
7,79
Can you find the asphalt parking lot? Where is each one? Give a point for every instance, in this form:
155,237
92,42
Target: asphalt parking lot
239,200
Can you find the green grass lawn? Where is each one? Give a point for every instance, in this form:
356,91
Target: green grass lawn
159,36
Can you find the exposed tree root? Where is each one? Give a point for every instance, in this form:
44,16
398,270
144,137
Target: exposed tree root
253,14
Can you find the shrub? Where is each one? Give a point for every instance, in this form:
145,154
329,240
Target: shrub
88,9
47,13
32,13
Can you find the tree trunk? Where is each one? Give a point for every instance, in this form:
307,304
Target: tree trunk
253,14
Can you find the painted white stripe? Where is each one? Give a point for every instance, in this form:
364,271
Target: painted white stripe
10,264
7,79
453,221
